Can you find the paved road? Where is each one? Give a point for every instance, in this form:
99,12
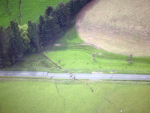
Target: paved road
76,75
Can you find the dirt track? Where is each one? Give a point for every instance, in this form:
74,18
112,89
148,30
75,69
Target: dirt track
118,26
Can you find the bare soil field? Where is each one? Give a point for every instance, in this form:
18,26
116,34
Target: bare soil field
118,26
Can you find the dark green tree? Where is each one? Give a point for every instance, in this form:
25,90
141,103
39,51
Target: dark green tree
4,37
15,44
48,11
7,37
41,20
32,34
1,48
40,27
73,7
76,5
62,15
50,30
1,58
11,51
83,2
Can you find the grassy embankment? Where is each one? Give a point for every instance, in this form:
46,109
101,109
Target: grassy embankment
30,10
46,96
78,58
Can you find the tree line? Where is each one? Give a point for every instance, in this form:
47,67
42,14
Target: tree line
17,41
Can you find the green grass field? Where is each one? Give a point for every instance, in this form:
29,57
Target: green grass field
30,10
44,96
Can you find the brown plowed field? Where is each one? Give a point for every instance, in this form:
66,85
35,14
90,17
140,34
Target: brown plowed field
118,26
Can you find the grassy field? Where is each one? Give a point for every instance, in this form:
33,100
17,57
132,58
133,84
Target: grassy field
30,10
78,58
42,95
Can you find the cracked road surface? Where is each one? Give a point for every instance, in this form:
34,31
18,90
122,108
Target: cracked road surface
77,75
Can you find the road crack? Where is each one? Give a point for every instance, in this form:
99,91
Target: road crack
56,88
112,76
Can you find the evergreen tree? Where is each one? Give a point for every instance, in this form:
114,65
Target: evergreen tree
83,2
15,44
4,36
40,27
48,11
41,20
56,30
50,30
76,5
62,13
11,51
1,48
1,58
46,32
71,5
32,34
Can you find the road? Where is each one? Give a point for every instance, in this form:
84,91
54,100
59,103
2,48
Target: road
76,75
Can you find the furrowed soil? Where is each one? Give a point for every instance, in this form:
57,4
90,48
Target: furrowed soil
118,26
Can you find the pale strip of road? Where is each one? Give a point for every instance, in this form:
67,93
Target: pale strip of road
89,76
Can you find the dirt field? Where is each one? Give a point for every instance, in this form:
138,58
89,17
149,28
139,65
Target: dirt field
119,26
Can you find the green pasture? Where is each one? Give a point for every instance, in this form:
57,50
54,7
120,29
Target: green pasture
30,10
44,96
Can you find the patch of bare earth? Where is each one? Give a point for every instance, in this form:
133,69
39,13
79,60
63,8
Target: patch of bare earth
57,44
118,26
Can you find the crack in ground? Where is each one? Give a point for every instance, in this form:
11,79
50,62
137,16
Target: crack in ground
110,90
90,87
7,9
110,102
52,77
51,61
108,94
20,12
106,99
56,88
64,103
